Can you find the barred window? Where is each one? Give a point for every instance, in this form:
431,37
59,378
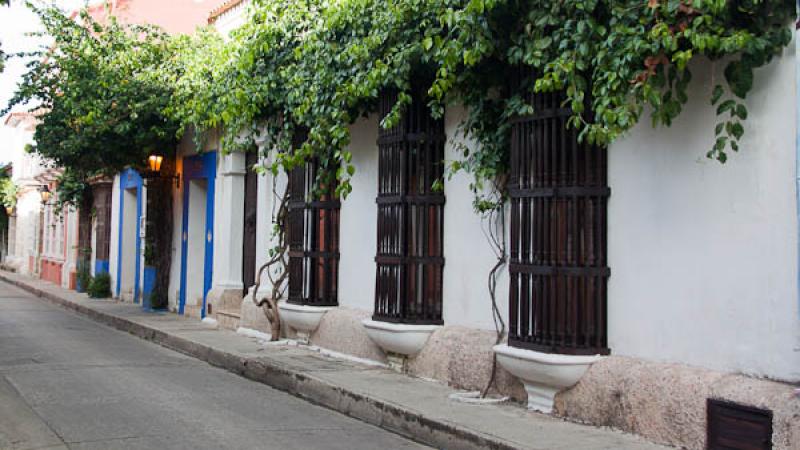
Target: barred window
313,236
558,267
250,222
410,257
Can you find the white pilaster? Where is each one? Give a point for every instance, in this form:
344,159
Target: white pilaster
229,221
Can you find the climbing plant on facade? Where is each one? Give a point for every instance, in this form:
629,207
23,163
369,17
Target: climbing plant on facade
322,65
2,55
8,190
612,59
111,94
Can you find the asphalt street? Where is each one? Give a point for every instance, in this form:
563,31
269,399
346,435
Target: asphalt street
69,383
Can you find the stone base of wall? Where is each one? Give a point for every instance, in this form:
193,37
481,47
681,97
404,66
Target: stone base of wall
12,265
252,317
194,310
461,357
340,330
665,403
226,305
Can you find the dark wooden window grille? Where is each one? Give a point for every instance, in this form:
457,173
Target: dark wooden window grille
313,236
410,258
101,195
558,267
738,427
250,222
84,254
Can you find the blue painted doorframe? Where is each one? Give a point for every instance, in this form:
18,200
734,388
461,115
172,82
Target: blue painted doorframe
129,179
203,166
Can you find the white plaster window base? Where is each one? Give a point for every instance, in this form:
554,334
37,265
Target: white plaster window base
302,318
399,338
543,374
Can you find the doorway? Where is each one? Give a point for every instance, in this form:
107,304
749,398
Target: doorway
129,249
197,236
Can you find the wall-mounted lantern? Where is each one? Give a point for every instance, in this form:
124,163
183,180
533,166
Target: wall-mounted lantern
154,164
45,193
154,161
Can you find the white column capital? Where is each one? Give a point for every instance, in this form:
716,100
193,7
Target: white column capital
233,164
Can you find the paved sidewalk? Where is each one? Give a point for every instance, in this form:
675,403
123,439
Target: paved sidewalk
408,406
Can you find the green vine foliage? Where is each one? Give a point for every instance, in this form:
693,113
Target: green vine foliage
111,93
2,55
99,95
71,190
8,192
322,65
8,195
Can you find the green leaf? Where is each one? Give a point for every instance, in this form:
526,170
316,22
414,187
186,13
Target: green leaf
739,76
717,94
741,111
737,130
727,105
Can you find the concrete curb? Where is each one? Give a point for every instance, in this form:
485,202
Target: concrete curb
411,424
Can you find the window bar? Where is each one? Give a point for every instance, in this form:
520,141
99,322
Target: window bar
558,290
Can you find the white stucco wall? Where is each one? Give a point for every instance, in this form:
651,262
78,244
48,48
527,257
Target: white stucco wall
264,214
71,247
703,256
113,251
267,210
128,256
17,134
358,233
232,19
93,244
469,257
29,205
175,262
196,241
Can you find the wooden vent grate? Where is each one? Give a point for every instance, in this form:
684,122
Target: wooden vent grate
732,426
